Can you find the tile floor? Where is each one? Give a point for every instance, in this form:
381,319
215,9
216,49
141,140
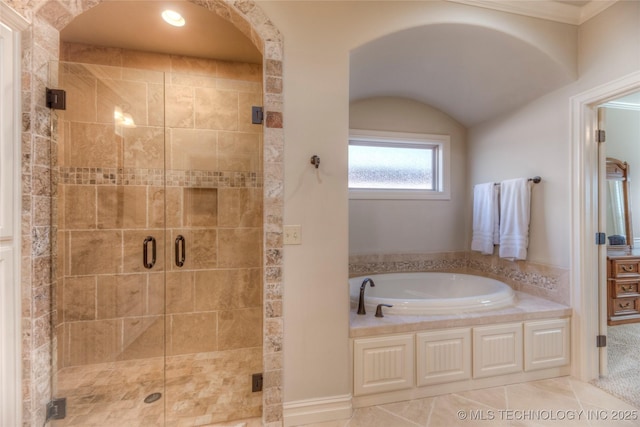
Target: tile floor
558,402
198,390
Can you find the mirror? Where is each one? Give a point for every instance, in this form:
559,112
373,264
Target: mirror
619,231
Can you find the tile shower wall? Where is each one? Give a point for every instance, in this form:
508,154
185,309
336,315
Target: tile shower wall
111,196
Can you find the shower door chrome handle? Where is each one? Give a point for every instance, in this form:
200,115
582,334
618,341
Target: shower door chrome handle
145,252
180,250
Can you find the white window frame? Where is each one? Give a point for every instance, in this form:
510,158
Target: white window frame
443,190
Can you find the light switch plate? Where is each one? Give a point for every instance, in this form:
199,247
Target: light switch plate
292,235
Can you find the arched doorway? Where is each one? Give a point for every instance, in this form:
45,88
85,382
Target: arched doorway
51,17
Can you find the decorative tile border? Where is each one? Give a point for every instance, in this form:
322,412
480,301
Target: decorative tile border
548,282
532,278
406,263
173,178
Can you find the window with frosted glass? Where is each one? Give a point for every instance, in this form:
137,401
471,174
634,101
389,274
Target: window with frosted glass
393,166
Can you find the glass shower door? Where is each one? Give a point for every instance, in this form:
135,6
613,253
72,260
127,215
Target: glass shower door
214,226
159,269
109,323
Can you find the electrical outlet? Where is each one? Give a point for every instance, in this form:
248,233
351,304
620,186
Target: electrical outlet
292,235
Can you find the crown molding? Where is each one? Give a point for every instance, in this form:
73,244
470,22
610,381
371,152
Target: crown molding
593,8
548,9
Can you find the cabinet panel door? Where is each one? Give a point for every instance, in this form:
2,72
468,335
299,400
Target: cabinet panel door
443,356
497,350
383,364
546,344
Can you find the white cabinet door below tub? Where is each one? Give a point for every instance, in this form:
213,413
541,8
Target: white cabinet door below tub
497,350
546,344
383,364
443,356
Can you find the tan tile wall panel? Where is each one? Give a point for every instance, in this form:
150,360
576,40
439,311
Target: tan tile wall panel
228,289
200,207
94,252
192,149
239,151
80,298
192,333
240,207
143,338
143,148
180,292
79,201
91,145
93,342
181,113
121,295
216,109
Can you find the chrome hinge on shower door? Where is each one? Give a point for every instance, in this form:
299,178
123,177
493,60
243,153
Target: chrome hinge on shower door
601,135
601,238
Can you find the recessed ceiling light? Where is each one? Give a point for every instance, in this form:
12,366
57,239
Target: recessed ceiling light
173,18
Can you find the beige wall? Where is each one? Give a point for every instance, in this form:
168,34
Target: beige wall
414,226
318,38
536,139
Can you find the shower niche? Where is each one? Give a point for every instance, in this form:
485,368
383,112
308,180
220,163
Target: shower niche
158,277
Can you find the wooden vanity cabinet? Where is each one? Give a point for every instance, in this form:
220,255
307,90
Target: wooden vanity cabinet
623,287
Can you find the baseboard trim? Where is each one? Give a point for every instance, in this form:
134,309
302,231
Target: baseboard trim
458,386
309,411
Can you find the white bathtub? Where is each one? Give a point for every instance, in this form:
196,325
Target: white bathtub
432,293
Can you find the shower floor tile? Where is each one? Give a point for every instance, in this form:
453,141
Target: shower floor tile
197,390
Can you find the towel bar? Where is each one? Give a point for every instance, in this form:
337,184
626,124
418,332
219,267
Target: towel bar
535,180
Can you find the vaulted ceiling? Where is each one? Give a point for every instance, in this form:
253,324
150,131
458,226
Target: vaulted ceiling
471,73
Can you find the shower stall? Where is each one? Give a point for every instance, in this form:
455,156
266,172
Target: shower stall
158,312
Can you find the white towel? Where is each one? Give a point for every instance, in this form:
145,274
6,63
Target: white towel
515,202
485,218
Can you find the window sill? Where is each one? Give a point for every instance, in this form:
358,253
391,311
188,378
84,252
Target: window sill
361,194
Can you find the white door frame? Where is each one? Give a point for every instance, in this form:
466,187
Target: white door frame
11,24
585,271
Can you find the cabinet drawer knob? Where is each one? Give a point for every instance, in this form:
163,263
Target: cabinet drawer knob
628,268
625,305
628,288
